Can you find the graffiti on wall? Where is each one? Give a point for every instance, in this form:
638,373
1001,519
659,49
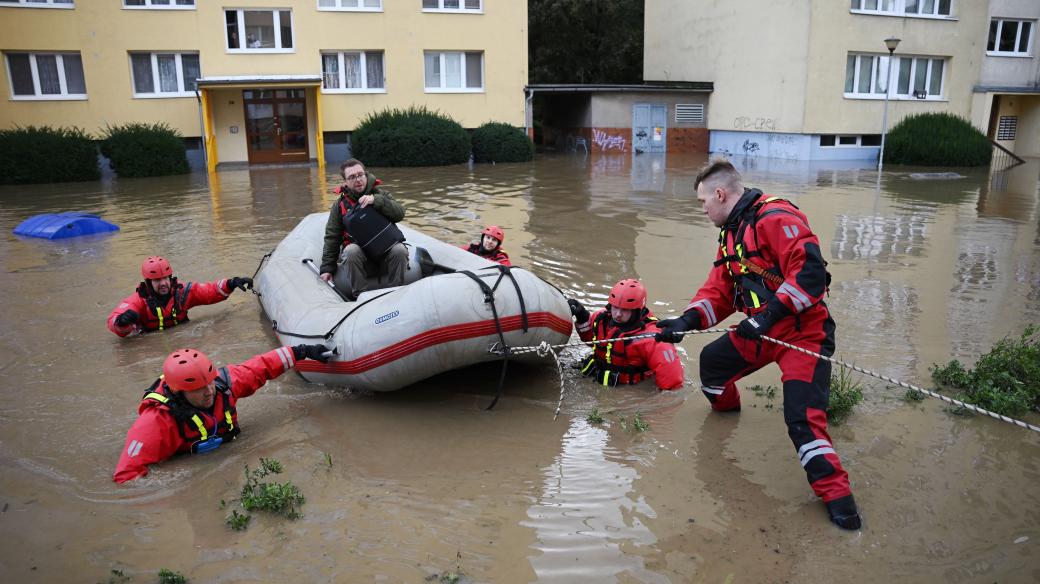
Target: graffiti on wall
607,141
749,123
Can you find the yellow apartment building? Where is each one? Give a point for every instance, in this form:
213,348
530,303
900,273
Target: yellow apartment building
808,80
260,81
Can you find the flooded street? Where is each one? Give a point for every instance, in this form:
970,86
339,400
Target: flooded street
410,485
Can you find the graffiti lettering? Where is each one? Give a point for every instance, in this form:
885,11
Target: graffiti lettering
607,142
750,147
746,123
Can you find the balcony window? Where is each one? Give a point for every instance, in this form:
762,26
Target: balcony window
352,72
1010,38
259,31
164,74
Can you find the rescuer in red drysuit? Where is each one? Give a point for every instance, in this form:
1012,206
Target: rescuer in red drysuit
490,245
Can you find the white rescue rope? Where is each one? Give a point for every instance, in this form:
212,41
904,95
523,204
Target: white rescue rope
546,349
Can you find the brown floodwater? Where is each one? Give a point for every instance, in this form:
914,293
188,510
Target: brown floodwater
423,482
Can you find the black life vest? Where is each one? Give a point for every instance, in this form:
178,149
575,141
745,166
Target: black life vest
368,228
610,364
155,319
193,430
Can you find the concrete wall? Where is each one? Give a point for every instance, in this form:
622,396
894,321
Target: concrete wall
1013,71
1028,142
103,32
836,31
611,120
755,51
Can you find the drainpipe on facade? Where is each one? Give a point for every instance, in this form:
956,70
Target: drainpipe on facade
202,129
528,112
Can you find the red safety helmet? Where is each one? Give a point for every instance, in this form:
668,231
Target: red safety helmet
156,267
188,370
628,293
496,232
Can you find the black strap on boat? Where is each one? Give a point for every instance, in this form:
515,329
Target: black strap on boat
489,298
332,331
258,267
507,271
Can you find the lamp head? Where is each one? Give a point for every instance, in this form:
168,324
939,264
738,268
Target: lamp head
892,43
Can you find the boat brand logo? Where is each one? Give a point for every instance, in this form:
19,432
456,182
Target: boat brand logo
387,316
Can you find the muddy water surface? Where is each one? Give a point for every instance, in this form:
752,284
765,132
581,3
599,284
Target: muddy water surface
423,482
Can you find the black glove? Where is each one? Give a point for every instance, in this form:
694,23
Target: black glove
316,352
578,311
127,318
242,284
752,328
671,328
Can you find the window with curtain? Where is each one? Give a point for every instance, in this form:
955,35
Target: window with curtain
164,74
352,72
46,76
454,71
912,77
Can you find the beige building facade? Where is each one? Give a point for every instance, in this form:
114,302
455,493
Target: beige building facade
261,80
808,79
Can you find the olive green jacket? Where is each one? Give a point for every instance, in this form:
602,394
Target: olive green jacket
384,203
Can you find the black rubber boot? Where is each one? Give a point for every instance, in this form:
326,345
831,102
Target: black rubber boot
844,514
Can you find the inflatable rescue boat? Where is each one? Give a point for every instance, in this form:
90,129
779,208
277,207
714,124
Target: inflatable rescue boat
454,308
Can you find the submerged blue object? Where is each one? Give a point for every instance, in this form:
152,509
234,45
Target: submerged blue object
63,225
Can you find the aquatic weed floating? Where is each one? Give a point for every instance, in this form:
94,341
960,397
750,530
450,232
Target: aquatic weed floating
64,225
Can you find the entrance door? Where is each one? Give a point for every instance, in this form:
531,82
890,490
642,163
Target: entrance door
276,125
649,127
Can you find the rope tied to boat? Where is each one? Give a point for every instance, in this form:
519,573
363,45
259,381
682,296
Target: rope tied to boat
545,347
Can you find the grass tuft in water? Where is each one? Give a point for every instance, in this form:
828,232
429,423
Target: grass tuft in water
237,521
912,395
1006,380
171,577
116,577
594,417
846,392
639,424
328,459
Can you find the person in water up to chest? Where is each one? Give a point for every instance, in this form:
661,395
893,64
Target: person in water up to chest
363,248
624,360
161,302
191,408
489,246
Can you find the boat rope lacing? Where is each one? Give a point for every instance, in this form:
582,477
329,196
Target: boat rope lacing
544,349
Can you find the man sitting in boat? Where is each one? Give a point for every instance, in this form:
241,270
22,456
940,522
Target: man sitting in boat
490,245
161,301
191,408
625,360
361,241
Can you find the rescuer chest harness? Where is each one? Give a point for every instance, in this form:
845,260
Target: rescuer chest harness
752,279
189,421
178,310
610,364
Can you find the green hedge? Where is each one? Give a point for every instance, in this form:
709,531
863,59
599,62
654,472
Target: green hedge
136,149
410,137
46,155
498,142
938,139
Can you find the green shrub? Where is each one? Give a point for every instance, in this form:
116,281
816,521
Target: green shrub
410,137
846,392
497,142
937,139
1006,380
137,149
45,155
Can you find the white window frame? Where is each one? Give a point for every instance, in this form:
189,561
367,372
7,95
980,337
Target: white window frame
838,144
149,6
342,73
241,15
898,8
358,6
181,90
463,89
460,10
37,94
1018,37
44,4
893,77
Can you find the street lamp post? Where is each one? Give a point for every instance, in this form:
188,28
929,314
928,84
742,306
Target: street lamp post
891,43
